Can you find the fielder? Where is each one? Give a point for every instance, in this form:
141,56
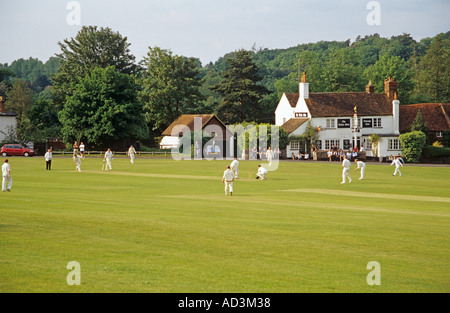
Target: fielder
108,157
361,166
131,153
77,159
227,179
262,172
397,164
235,168
346,171
269,155
7,178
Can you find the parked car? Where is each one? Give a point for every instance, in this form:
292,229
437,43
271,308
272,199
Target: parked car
16,149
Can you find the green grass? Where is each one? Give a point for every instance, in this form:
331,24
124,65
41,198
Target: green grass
166,226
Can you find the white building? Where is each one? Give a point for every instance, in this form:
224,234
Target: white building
334,115
8,122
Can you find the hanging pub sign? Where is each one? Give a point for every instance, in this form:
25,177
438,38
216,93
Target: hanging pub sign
343,123
367,122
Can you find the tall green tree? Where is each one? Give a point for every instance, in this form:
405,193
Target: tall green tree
103,109
92,47
433,72
395,67
240,90
19,99
170,87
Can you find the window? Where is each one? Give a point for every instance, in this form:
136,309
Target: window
347,144
329,143
301,114
394,144
367,144
319,144
377,122
294,145
330,123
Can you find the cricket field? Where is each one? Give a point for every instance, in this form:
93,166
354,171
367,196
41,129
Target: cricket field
166,226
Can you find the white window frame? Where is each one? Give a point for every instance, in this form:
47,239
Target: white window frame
330,142
394,144
330,123
294,144
377,123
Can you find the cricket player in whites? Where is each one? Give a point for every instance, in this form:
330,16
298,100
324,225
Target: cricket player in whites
7,178
346,171
77,159
262,172
227,179
361,166
131,153
108,157
397,164
235,168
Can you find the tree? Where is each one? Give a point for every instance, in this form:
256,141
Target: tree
44,120
240,90
395,67
92,47
103,109
433,71
170,87
19,99
419,124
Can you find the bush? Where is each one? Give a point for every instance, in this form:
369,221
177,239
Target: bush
430,152
413,144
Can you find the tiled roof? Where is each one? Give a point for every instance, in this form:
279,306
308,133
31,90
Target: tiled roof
293,124
188,120
336,104
435,115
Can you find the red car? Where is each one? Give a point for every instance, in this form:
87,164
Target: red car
16,149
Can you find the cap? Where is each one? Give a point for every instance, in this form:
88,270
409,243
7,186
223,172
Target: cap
228,166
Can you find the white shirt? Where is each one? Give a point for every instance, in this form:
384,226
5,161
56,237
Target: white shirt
346,164
262,171
131,151
6,169
234,164
228,175
108,155
397,163
81,147
77,158
48,156
361,164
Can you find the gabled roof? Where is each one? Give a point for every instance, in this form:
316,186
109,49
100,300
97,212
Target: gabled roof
435,115
293,124
188,120
336,104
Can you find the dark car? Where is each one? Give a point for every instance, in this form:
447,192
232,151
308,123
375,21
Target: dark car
16,149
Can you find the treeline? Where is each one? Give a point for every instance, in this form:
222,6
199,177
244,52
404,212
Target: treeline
94,90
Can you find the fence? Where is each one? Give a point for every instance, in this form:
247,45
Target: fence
116,153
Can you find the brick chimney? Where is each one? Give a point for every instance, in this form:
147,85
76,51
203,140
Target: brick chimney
390,88
370,88
2,105
304,88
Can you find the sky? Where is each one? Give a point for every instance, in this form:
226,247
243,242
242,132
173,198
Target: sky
208,29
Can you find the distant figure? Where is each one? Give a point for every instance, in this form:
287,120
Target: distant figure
269,155
346,171
7,178
82,148
397,164
75,147
48,159
235,168
197,150
108,158
361,166
131,153
227,179
262,172
77,160
314,152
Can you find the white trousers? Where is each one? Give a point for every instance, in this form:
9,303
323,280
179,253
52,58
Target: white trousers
132,158
7,181
346,173
228,187
235,172
397,170
108,164
363,169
